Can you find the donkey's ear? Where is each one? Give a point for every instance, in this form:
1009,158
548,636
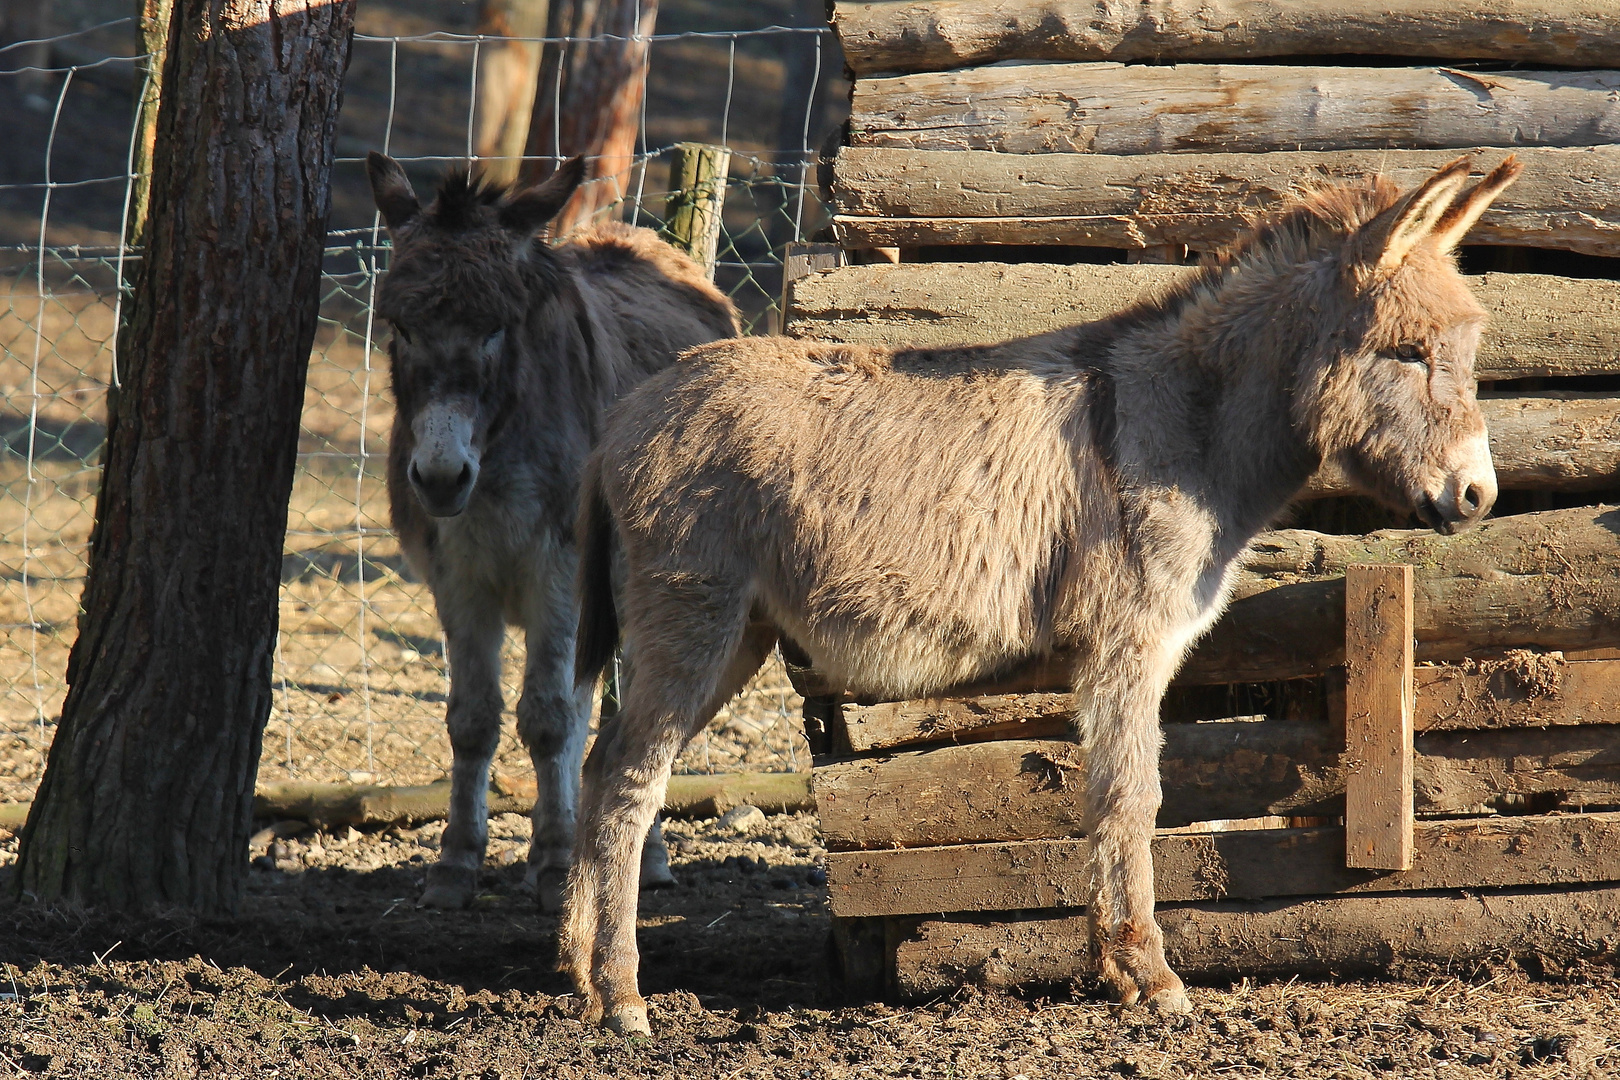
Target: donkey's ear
392,190
1466,210
1411,221
528,210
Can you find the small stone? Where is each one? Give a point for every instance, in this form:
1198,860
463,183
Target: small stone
743,820
817,877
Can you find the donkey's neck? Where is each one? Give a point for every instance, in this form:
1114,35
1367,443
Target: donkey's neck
1204,395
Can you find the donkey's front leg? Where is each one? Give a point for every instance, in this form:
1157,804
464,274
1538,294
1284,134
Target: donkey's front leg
1118,717
553,716
473,631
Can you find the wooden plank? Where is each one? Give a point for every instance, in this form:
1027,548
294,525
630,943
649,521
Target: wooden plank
1522,689
1378,716
1540,324
1337,936
1248,865
1567,199
932,35
1029,789
1111,108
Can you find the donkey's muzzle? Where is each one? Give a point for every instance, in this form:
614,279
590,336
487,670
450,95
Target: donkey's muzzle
443,488
1462,504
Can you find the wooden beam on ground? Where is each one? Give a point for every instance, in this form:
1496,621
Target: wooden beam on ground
932,35
1030,789
1540,324
1244,865
1338,936
1111,108
1567,199
1378,716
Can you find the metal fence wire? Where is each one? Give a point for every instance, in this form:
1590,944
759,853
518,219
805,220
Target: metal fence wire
360,670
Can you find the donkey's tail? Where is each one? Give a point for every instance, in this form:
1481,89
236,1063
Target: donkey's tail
598,619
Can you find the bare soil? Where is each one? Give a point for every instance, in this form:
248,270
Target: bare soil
330,969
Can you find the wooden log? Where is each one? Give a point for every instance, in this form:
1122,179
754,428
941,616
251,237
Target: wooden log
1567,199
1231,108
334,805
1543,580
1378,716
1029,789
1339,936
1522,689
697,205
1248,865
1540,324
932,35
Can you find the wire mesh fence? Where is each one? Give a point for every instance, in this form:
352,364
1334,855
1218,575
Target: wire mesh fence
360,670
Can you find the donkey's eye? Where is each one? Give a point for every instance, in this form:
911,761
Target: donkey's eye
402,333
493,338
1412,352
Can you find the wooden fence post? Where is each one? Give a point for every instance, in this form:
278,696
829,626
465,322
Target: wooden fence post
698,200
1378,716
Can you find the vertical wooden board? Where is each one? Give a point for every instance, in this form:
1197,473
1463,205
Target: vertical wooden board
1378,716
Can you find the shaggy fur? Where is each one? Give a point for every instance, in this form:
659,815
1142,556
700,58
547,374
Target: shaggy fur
506,352
914,519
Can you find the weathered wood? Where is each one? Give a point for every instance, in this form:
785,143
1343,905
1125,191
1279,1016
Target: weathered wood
1567,199
1378,716
932,35
1029,789
1540,324
977,719
332,805
1231,108
1548,580
1522,689
697,203
1248,865
1346,935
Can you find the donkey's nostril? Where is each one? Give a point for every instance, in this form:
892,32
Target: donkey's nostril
1472,499
416,475
465,478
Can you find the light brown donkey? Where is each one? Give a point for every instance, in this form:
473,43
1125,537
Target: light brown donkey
914,519
506,351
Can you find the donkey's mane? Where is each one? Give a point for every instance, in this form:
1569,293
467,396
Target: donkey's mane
462,194
1297,231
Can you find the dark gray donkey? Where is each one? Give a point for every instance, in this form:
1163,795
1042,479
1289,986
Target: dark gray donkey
506,351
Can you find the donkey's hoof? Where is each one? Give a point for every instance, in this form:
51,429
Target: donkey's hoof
657,876
449,887
1171,1001
549,887
627,1020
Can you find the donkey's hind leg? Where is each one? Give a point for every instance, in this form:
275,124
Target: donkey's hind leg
553,715
673,695
1118,716
473,630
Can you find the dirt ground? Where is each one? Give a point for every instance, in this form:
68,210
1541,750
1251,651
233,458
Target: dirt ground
331,970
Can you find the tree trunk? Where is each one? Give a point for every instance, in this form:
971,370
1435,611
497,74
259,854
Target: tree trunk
148,793
507,75
589,99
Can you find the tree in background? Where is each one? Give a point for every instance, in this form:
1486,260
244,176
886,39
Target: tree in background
148,791
589,98
507,74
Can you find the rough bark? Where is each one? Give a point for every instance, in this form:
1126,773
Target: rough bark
1540,324
588,99
1231,108
1568,199
931,35
507,75
1030,789
1242,865
147,795
1349,935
